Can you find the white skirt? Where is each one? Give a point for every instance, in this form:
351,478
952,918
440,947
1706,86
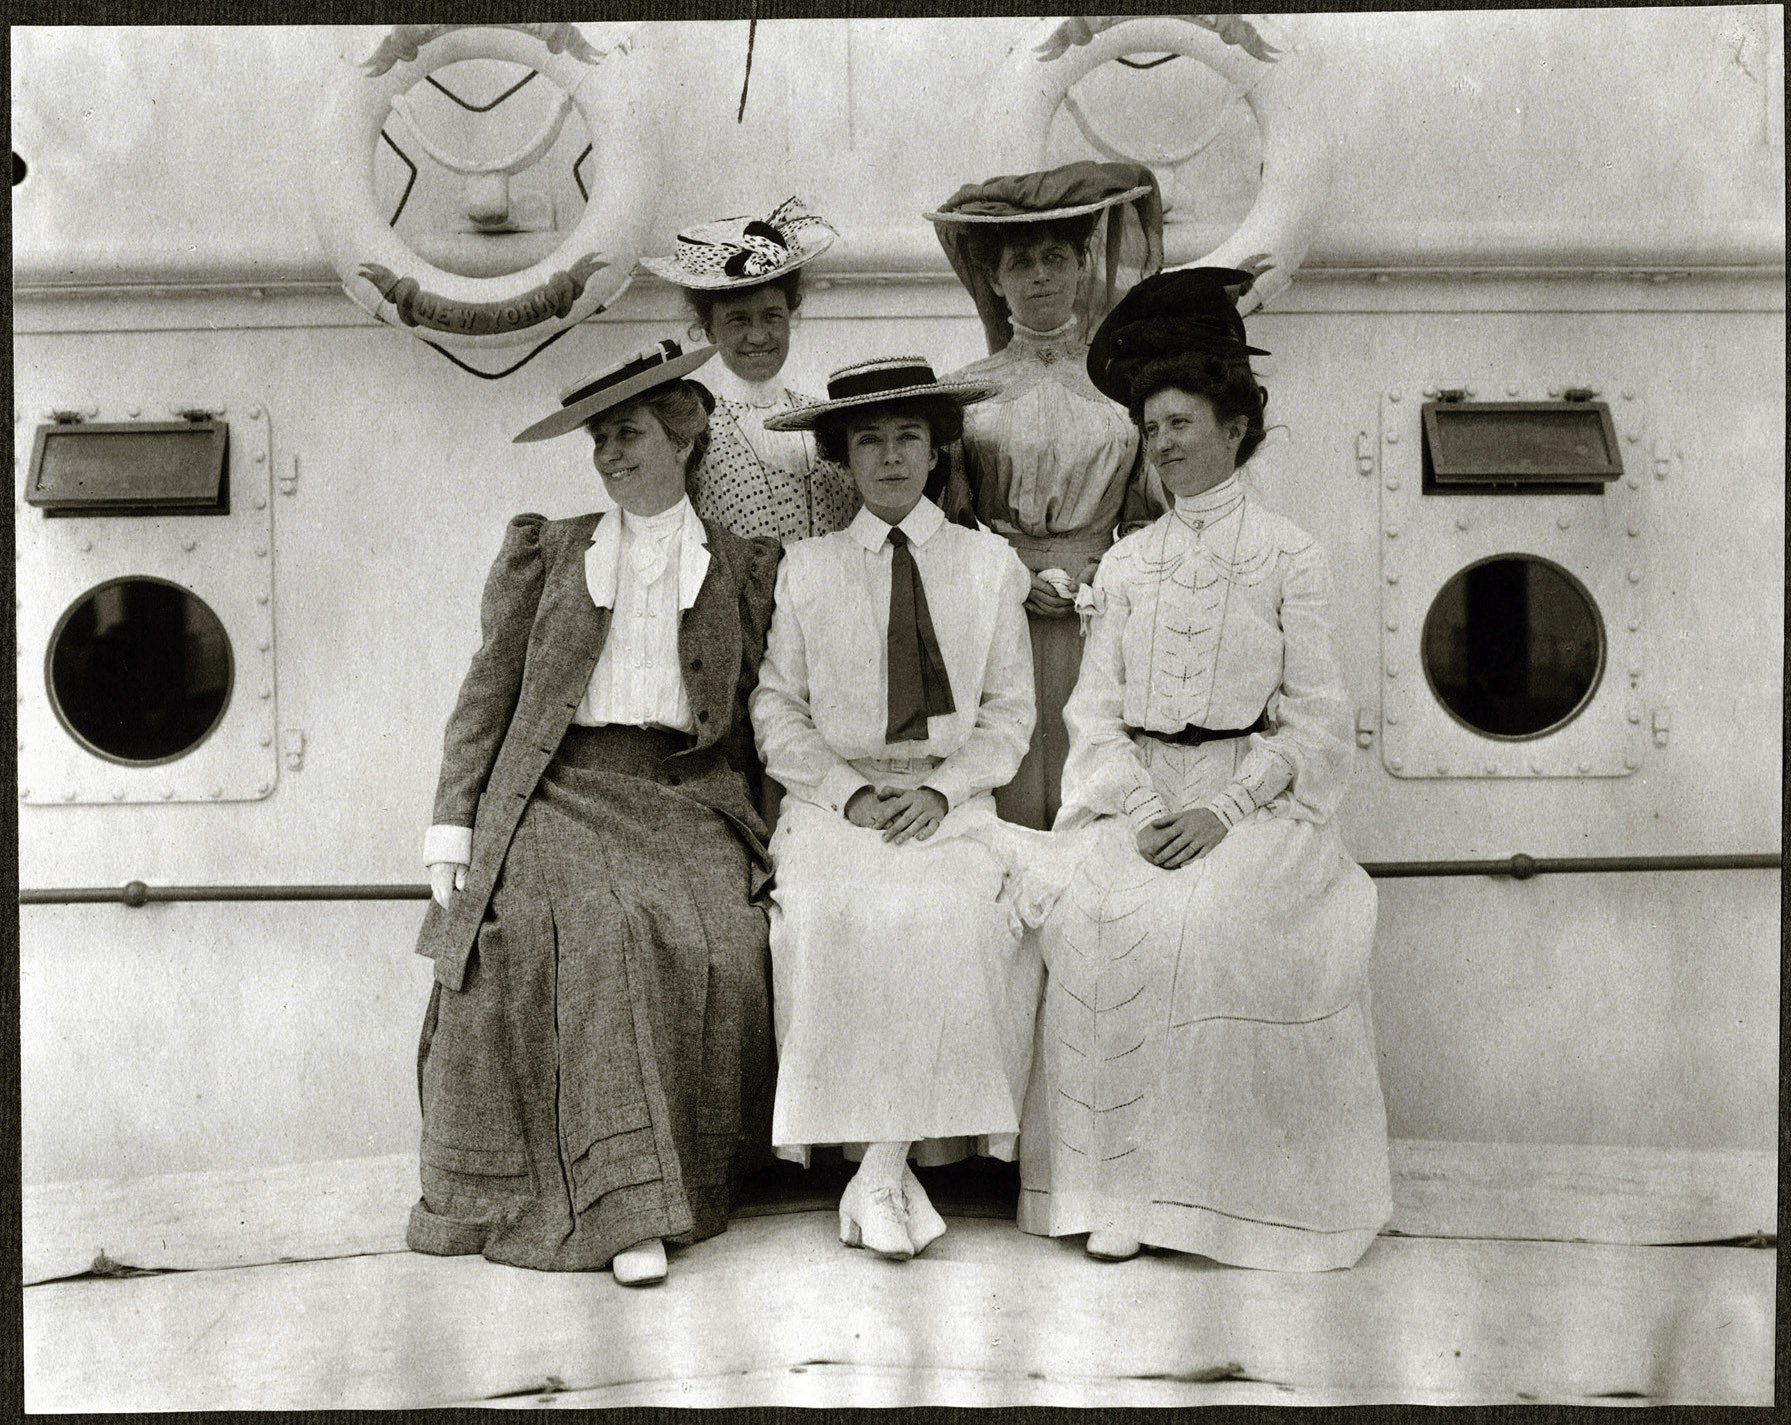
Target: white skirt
903,996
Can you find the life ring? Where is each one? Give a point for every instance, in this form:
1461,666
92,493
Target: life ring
1296,148
381,273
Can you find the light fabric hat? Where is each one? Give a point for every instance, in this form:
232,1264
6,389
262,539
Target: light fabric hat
877,383
744,252
628,378
1127,245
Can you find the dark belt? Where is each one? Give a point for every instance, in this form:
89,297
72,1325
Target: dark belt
1192,736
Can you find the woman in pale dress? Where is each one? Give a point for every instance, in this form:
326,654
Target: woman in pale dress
743,280
895,696
1204,1078
1048,460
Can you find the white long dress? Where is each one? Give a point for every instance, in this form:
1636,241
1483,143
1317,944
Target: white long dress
904,1001
1204,1077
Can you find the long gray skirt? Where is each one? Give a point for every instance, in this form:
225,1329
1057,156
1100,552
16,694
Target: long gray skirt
591,1084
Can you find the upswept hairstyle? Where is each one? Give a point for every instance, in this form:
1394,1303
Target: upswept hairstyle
681,411
945,423
1226,382
987,241
702,300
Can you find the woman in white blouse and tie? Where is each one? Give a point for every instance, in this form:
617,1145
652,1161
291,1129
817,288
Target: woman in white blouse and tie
895,696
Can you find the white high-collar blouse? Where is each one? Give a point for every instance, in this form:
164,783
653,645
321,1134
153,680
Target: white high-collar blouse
1212,615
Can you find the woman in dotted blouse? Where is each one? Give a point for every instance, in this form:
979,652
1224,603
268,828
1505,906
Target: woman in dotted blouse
743,280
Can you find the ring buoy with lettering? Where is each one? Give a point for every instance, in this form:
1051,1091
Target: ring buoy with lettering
1296,145
381,273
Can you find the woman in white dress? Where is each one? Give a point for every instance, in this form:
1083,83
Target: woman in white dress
743,280
1204,1078
1048,460
895,696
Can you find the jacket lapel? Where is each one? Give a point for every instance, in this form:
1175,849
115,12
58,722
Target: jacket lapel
709,645
570,630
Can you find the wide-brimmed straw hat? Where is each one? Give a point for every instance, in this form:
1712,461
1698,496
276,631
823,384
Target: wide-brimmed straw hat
1127,243
744,252
628,378
877,383
1191,311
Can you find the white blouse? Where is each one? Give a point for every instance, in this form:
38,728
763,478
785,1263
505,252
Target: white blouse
823,696
646,569
767,482
1052,455
1212,615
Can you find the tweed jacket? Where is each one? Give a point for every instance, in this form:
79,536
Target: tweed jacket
541,637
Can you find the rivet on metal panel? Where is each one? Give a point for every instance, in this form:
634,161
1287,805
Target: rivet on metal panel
1633,483
1634,714
1511,390
267,690
1392,576
1492,769
1394,396
264,788
1364,727
1633,438
261,551
133,410
87,546
261,502
1442,769
68,794
1396,765
1391,437
167,794
1429,393
93,409
118,794
261,457
262,597
1392,531
1392,670
1629,395
215,792
1635,670
1392,625
1663,725
1390,715
1461,523
1584,767
1392,482
1364,453
1635,625
267,739
1536,766
1630,762
263,646
1554,393
1564,522
189,545
255,411
1635,575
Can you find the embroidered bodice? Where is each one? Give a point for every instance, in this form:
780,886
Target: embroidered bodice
1049,454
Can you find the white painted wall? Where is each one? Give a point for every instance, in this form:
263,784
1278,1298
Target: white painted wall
1611,1009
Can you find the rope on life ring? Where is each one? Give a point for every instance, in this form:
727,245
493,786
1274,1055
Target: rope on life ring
587,272
1274,237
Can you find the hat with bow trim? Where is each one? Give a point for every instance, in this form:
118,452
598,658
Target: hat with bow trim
628,378
744,252
1191,311
876,383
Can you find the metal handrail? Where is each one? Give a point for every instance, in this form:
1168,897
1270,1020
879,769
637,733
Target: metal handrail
1518,868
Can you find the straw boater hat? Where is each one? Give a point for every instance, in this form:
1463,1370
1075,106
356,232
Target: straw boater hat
744,252
1128,243
877,383
628,378
1192,311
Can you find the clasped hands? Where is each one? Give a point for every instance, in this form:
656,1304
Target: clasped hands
898,814
1176,838
1043,599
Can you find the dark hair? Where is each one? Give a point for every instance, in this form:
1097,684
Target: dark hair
945,423
702,300
987,241
681,412
1226,382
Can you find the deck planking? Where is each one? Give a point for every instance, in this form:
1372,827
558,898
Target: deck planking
775,1311
317,1211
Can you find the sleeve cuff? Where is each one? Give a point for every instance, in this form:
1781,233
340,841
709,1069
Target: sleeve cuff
836,788
1144,806
949,784
1230,808
448,843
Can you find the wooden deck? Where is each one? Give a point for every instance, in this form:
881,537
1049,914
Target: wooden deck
1561,1274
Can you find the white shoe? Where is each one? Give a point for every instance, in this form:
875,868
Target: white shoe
925,1225
872,1217
643,1264
1111,1247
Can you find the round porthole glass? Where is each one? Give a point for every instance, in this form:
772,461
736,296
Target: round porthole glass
139,670
1514,646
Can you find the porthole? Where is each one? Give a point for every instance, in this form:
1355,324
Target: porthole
139,670
1514,647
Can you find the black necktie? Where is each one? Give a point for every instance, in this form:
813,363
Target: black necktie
918,687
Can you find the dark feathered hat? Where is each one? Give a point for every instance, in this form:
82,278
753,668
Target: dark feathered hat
1189,311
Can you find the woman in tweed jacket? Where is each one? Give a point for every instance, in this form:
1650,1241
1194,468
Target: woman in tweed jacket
599,1028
